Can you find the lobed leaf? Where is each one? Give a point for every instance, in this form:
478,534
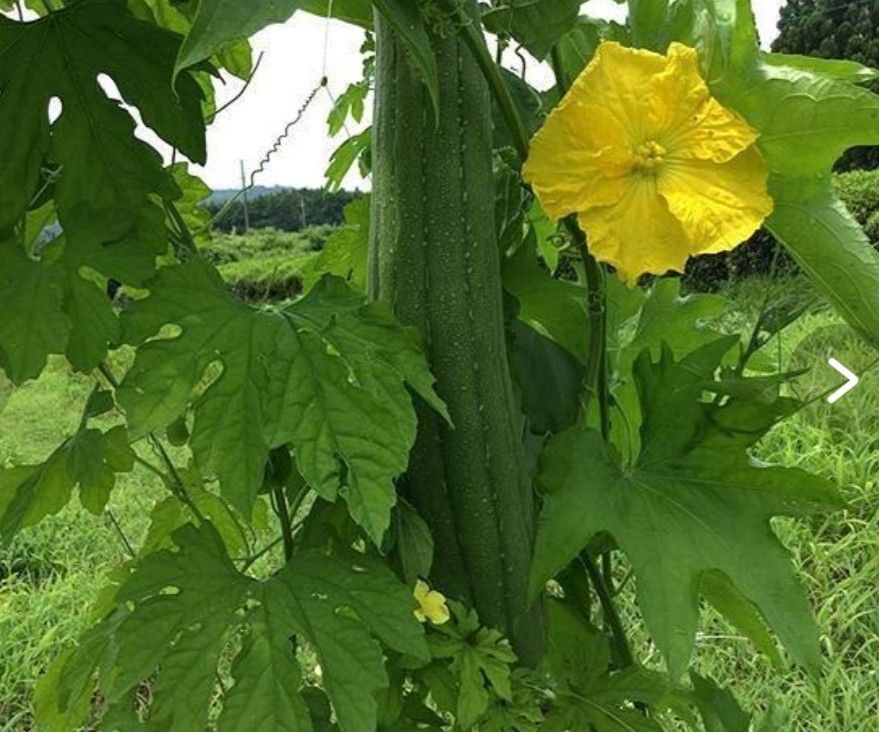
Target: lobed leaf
107,175
342,607
89,461
106,184
327,375
692,503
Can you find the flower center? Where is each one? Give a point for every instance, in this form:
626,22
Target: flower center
648,157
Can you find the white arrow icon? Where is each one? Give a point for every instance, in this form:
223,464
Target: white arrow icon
852,382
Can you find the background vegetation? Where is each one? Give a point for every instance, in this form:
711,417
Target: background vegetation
285,209
52,573
834,29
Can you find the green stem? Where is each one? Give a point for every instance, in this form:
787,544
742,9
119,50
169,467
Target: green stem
279,501
609,610
596,308
124,539
596,303
250,561
491,71
183,230
153,469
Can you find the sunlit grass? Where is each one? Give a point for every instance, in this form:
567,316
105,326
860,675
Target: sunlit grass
51,573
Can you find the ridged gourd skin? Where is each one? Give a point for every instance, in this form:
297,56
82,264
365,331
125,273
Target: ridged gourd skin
434,257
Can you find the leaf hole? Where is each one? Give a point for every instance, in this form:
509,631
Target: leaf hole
54,110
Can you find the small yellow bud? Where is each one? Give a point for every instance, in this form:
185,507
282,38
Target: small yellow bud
431,604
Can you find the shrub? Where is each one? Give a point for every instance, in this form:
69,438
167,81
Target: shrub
860,191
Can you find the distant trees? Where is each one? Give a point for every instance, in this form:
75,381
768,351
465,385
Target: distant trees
846,29
289,209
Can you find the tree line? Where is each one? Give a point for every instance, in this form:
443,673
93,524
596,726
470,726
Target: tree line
288,209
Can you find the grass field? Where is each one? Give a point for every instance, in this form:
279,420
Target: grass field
51,573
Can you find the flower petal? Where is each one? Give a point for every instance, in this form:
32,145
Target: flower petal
619,76
435,608
686,120
718,205
638,234
583,152
578,160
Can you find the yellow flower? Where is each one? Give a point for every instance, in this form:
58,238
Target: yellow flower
431,604
654,167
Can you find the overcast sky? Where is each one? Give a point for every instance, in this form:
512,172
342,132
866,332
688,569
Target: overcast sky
292,65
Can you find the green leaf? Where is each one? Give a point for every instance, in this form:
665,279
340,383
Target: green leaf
345,251
57,310
345,156
266,695
349,103
839,69
367,335
577,653
646,20
536,24
218,22
35,224
235,56
89,460
717,588
480,661
806,118
190,206
326,375
693,502
108,176
830,246
105,183
719,709
357,12
550,379
6,390
413,543
554,308
576,48
666,318
342,608
591,696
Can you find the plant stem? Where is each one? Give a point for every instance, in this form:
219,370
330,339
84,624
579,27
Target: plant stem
184,232
596,303
609,610
153,469
124,539
596,308
261,553
279,502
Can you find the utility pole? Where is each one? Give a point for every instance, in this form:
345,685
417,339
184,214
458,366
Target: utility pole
244,189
